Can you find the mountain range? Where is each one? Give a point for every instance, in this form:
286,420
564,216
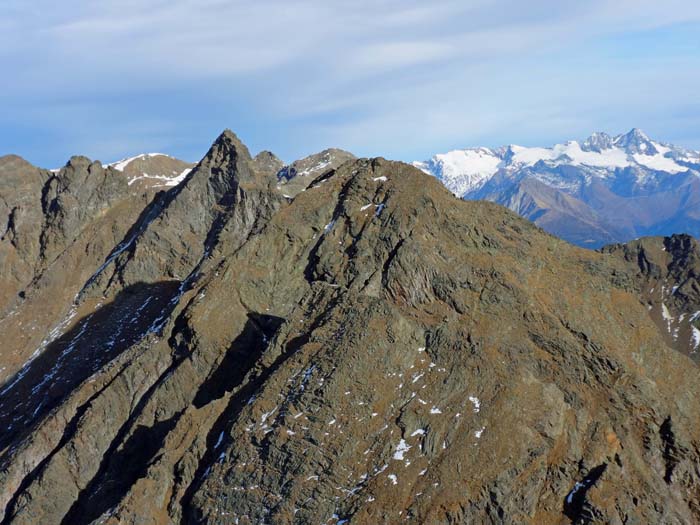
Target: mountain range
602,190
338,341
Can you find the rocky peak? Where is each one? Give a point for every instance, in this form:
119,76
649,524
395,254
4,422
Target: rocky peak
227,162
636,141
181,228
314,164
228,144
267,163
21,220
597,142
10,164
72,197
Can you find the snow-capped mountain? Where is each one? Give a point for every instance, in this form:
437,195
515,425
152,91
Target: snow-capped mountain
604,189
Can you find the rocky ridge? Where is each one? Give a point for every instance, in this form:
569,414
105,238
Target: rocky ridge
369,350
299,174
153,170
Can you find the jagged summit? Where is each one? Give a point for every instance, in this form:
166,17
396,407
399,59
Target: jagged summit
636,142
227,148
229,139
598,142
372,350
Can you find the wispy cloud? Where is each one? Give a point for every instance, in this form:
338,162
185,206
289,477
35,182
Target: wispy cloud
396,77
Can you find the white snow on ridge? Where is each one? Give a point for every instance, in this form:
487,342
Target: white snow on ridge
177,180
475,163
314,169
463,171
572,154
120,165
659,163
168,181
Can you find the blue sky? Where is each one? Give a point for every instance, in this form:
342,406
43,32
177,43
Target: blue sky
401,79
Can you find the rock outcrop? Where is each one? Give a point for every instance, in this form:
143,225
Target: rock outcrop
299,174
665,273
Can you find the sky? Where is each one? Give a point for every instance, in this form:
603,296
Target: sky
400,79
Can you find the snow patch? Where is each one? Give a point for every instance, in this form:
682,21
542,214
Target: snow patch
401,449
477,404
695,335
120,165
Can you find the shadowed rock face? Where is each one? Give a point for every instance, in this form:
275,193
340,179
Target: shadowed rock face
665,273
372,350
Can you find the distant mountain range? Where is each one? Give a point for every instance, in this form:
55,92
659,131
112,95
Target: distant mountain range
602,190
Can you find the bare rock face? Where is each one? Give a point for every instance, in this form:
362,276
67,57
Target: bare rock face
74,196
21,221
267,163
371,350
665,271
222,195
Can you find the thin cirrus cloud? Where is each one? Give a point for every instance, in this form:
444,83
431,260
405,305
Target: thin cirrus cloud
397,78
